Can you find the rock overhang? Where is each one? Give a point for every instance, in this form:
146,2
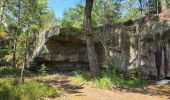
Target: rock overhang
123,37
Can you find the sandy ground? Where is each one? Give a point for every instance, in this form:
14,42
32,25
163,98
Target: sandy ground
86,92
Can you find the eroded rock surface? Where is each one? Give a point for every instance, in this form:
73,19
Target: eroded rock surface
143,44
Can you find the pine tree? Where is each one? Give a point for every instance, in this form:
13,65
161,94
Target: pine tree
92,57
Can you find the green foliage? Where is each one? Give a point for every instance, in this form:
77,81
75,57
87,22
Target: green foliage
168,4
10,71
34,19
130,10
104,12
42,70
154,7
132,14
20,48
4,52
30,90
109,79
136,72
21,19
2,32
73,17
110,11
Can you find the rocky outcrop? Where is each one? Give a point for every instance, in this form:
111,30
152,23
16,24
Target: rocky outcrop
143,44
39,41
64,50
140,44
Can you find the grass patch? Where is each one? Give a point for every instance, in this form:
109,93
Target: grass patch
12,72
29,90
109,79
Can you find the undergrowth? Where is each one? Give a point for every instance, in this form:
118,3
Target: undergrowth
42,70
12,89
29,90
109,79
12,72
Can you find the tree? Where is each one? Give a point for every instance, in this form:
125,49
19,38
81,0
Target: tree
92,57
73,17
153,6
168,4
19,21
3,5
17,32
36,18
164,7
103,12
131,10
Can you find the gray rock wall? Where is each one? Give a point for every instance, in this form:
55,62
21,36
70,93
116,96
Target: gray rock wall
143,44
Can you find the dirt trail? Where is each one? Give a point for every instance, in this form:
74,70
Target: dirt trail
89,93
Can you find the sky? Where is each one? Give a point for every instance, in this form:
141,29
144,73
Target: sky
59,6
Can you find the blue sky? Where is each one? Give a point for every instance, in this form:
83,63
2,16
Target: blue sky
59,6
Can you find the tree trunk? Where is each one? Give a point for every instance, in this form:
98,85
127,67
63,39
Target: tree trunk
2,11
16,34
14,50
140,8
25,65
164,9
92,57
166,65
158,61
157,7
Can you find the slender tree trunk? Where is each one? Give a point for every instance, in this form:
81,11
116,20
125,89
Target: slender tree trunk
166,65
2,11
164,8
25,65
158,62
92,57
139,36
140,8
14,50
16,34
157,7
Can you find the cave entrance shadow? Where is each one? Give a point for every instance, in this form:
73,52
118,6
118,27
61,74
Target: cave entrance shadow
62,82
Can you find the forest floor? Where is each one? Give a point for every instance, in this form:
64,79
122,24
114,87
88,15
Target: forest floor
86,92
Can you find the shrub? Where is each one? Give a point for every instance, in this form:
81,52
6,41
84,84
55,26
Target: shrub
137,72
109,79
10,71
30,90
42,70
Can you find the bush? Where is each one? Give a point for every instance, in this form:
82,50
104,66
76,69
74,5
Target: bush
42,70
4,52
137,72
30,90
109,79
10,71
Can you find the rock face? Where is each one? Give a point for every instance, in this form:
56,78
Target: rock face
65,50
142,44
